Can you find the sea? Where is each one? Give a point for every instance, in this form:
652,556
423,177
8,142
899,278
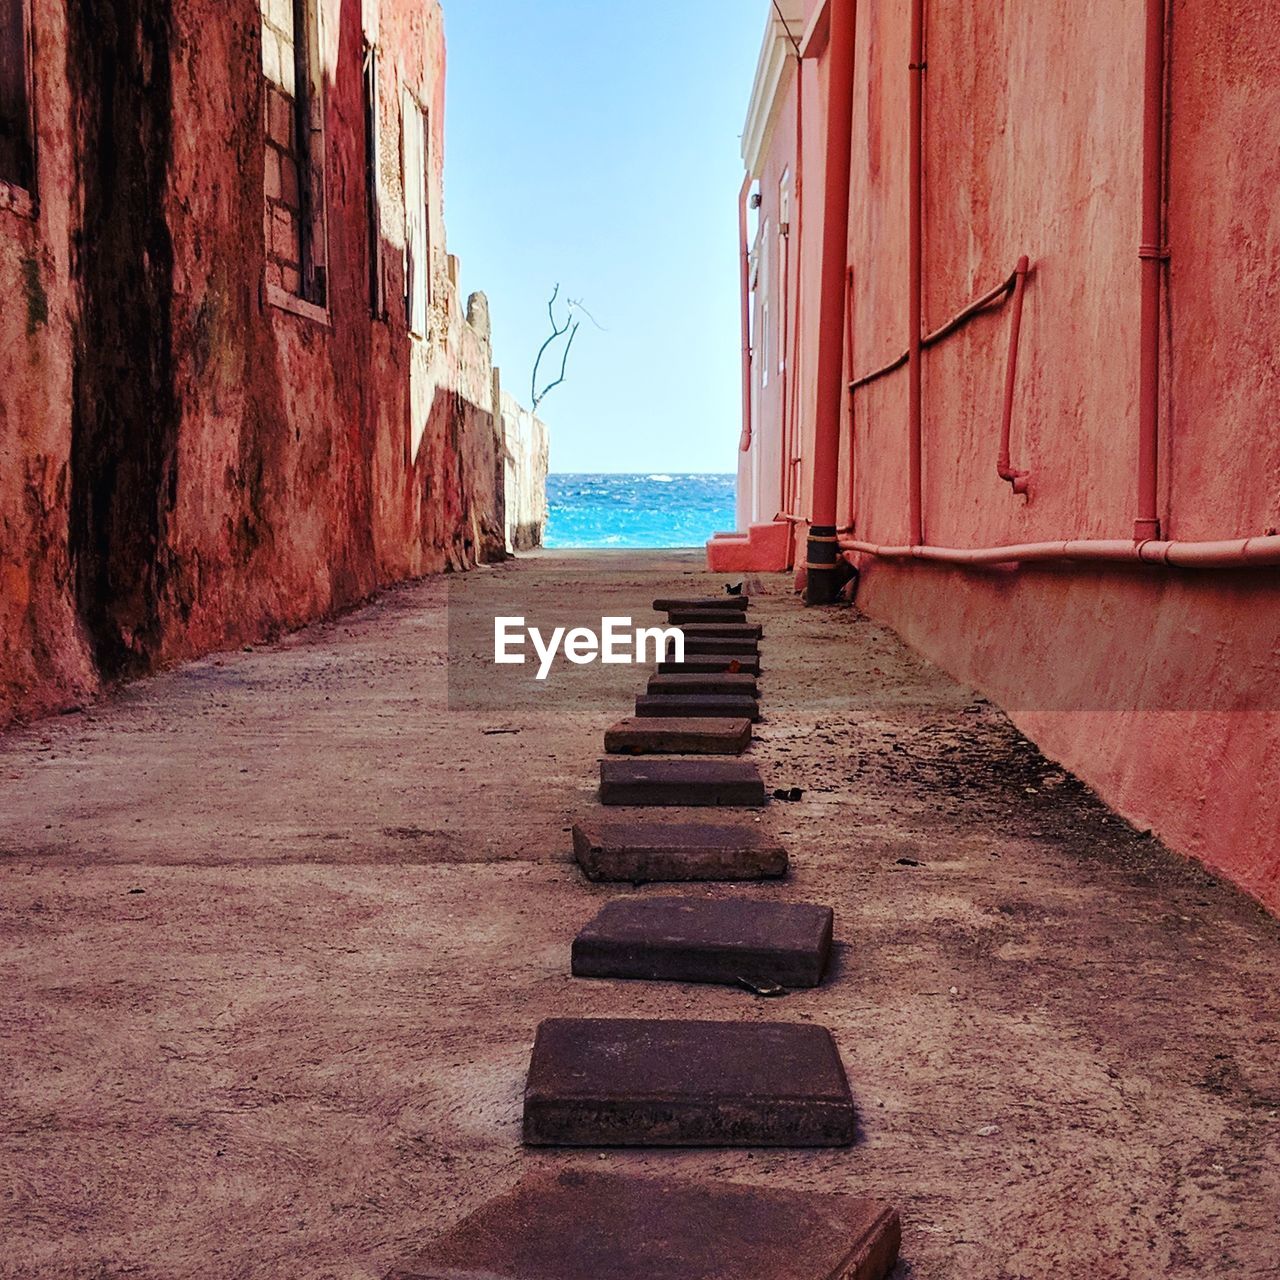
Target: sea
637,512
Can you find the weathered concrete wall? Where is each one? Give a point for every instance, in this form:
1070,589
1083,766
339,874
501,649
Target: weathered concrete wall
187,465
43,661
526,458
1161,689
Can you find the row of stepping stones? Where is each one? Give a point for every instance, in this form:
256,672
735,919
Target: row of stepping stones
639,1082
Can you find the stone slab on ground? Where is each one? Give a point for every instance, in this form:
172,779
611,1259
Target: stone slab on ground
682,617
573,1225
645,852
699,705
722,604
715,645
696,783
678,736
700,682
703,663
643,1082
724,630
722,940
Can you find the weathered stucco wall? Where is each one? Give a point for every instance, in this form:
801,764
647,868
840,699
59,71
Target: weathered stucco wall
43,662
186,465
526,458
1160,688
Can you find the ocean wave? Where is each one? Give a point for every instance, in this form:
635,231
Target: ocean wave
637,511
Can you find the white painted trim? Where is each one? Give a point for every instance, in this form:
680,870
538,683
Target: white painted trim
774,73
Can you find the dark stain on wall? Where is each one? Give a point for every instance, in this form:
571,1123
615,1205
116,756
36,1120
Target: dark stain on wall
37,299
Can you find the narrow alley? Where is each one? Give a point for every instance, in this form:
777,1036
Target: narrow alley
280,924
549,731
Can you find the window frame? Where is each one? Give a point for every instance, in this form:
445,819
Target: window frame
309,109
14,196
374,180
411,108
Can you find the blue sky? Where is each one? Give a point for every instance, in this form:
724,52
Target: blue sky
597,145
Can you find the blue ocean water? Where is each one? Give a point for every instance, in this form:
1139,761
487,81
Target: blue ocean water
637,511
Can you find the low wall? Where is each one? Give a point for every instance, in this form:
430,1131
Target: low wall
527,456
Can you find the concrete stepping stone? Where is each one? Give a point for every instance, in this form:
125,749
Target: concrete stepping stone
701,663
723,630
695,783
716,645
683,617
711,705
574,1225
729,941
705,682
628,1082
688,736
722,604
645,852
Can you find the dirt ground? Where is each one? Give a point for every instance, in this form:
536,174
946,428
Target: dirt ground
276,930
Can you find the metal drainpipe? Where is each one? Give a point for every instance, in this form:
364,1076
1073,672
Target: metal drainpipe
1153,253
745,254
823,551
791,428
915,292
1020,480
786,384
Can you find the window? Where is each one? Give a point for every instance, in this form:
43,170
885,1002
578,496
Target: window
417,264
294,175
17,135
373,182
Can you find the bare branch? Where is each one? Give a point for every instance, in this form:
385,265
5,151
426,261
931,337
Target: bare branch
551,311
564,365
558,330
576,305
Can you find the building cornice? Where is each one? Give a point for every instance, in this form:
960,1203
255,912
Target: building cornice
774,74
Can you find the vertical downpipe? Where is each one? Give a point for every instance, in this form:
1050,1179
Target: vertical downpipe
791,428
821,587
915,287
1153,254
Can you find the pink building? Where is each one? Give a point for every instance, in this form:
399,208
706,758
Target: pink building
1033,398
